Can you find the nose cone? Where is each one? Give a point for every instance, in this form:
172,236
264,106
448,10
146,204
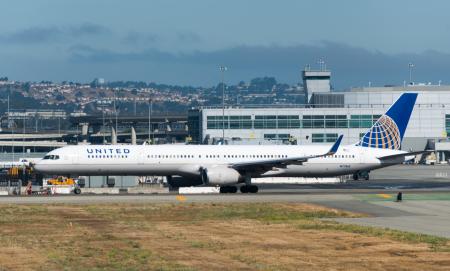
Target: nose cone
40,167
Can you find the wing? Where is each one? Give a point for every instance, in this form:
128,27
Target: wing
388,157
266,165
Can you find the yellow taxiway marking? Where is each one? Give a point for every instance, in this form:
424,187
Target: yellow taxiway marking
181,198
385,196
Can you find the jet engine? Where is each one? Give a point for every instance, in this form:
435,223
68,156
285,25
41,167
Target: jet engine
221,175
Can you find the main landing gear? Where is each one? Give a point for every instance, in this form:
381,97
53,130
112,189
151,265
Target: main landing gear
244,189
228,189
363,175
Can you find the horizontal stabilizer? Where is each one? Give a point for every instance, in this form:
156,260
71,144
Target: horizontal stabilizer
388,157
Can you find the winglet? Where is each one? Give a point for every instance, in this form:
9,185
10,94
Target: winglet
335,146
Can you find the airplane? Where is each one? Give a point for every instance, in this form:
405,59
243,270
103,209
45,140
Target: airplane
228,166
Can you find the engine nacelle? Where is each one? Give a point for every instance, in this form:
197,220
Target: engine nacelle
221,175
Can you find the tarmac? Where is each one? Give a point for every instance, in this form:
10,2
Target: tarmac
419,213
425,207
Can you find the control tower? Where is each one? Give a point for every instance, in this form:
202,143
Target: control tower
316,81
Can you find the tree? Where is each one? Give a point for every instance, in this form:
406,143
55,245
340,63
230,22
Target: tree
60,98
262,84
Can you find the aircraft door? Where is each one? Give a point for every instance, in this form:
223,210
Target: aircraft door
360,153
73,158
142,158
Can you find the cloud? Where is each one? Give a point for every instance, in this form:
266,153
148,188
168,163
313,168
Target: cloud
88,29
85,53
136,38
351,66
187,36
35,35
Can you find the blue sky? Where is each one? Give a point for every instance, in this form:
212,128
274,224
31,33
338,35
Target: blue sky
184,42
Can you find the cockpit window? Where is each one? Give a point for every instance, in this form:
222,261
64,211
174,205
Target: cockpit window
51,157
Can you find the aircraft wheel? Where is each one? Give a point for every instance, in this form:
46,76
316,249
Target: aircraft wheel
228,189
355,176
249,189
253,189
244,189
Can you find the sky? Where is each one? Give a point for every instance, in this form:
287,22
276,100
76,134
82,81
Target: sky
185,42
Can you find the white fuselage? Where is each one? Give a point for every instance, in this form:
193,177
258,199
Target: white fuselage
187,160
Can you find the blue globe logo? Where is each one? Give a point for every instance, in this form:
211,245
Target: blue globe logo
384,134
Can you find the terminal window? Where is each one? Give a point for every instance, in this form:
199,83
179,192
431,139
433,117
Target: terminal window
362,121
447,124
277,136
323,138
335,121
294,121
229,122
266,122
277,122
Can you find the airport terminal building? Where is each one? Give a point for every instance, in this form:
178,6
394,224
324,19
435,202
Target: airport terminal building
327,115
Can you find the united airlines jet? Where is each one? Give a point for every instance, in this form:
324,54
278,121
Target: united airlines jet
230,165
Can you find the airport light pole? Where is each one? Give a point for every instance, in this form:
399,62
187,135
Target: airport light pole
12,129
115,112
150,105
8,110
23,136
411,66
223,69
103,124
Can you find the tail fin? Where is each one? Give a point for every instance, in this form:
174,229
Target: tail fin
388,131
